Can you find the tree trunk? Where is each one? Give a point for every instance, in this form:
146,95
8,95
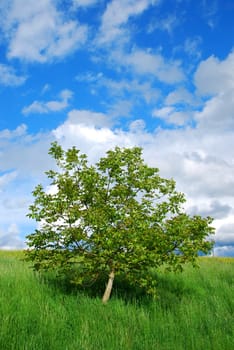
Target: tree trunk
106,295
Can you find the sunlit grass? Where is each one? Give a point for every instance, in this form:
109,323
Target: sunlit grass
194,311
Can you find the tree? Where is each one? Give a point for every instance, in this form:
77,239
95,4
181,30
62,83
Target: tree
118,217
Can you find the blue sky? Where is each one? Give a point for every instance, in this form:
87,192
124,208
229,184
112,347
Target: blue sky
94,73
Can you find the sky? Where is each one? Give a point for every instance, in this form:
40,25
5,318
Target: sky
94,74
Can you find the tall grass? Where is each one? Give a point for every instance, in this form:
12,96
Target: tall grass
194,311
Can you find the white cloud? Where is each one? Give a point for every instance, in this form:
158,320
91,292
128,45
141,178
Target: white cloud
225,237
90,138
167,24
163,112
171,116
120,108
199,158
25,153
225,251
35,107
11,134
92,133
214,76
45,88
225,234
84,3
66,94
6,179
10,239
197,174
214,209
88,118
42,107
89,131
143,62
56,106
38,32
137,126
218,113
9,77
117,15
192,47
210,9
136,90
187,155
181,95
116,32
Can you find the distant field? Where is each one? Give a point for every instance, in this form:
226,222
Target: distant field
194,311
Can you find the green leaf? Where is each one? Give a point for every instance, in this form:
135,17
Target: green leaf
118,215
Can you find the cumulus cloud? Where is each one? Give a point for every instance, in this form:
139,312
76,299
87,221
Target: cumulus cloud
199,156
186,155
225,234
121,108
12,134
25,153
181,96
94,137
218,113
88,118
116,15
14,204
206,172
114,31
137,126
224,238
9,77
214,209
14,201
146,62
89,136
42,107
136,89
214,76
171,116
11,239
6,178
215,79
225,251
39,32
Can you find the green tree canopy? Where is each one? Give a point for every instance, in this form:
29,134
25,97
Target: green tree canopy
117,217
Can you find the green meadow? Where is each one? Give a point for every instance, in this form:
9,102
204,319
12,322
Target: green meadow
194,310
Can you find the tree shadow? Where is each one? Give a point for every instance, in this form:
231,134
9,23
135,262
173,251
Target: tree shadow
170,291
62,284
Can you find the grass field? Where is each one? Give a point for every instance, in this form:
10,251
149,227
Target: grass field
194,311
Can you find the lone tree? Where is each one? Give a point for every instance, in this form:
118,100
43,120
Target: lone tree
118,217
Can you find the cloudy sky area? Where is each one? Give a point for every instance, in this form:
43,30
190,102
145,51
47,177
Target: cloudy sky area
98,73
